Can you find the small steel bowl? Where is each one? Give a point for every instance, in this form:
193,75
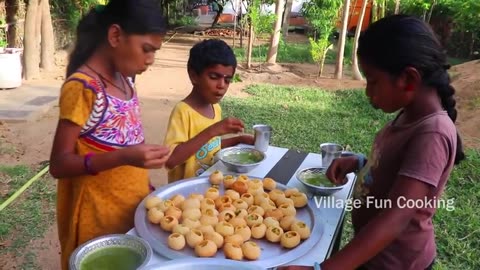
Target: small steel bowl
135,243
324,191
225,155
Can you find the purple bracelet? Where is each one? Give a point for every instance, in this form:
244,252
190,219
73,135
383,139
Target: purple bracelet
87,163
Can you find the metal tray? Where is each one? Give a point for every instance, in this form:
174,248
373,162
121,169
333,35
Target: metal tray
272,253
202,264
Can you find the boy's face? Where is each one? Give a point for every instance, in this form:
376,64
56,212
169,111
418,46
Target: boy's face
213,82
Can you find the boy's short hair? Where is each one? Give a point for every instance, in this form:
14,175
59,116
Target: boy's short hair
210,52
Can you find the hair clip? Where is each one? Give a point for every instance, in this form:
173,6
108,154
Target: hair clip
99,8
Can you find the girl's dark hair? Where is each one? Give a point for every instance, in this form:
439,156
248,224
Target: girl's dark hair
133,16
397,42
210,52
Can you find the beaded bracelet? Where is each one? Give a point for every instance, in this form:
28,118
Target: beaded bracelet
87,163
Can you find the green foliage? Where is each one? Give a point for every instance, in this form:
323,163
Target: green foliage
3,36
71,10
287,53
183,21
322,16
262,23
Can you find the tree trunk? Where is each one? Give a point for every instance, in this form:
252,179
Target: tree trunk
397,6
286,18
383,8
431,11
11,8
250,45
357,75
374,11
341,40
31,52
275,40
48,40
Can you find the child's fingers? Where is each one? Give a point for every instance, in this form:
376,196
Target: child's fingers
156,163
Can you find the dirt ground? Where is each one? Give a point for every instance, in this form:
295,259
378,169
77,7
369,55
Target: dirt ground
166,82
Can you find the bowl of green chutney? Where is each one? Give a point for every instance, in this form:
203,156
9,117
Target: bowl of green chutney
109,252
316,181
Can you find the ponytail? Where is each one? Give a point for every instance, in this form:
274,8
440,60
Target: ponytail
89,37
446,93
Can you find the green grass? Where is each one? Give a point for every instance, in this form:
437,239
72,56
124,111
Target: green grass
309,116
29,216
292,53
302,118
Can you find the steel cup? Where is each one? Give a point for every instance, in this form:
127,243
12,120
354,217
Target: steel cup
262,135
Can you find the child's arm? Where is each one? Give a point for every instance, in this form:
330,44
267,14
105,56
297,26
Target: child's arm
188,148
65,162
245,139
383,229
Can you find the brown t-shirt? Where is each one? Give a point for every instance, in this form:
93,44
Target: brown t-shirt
423,150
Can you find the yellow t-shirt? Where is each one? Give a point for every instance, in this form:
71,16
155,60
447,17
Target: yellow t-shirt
184,124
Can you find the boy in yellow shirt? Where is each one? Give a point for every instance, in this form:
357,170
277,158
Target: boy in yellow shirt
196,126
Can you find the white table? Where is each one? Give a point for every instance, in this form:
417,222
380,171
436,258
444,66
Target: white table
330,216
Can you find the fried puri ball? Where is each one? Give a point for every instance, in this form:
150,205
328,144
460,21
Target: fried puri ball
248,198
176,241
154,215
301,228
191,203
228,181
174,212
216,238
224,228
233,251
216,177
168,222
269,184
253,219
251,250
287,221
206,248
194,237
290,239
152,201
212,193
177,200
191,213
274,234
244,231
299,199
232,194
259,230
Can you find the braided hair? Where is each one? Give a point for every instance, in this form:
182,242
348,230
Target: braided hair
410,42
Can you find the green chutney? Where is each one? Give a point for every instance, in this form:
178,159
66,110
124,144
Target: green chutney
112,258
319,180
243,158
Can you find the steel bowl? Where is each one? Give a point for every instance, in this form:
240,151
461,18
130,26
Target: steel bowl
303,174
227,156
135,243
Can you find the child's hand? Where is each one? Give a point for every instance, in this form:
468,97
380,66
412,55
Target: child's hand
339,169
146,156
227,126
246,139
